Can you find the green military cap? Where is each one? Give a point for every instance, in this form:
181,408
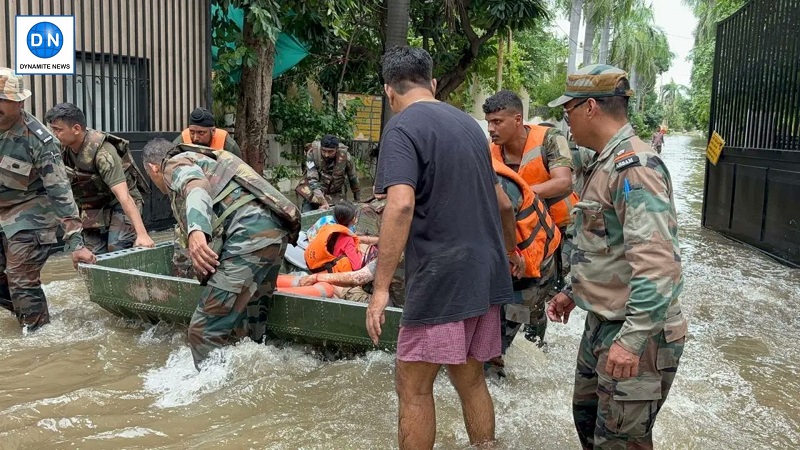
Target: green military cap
596,80
11,87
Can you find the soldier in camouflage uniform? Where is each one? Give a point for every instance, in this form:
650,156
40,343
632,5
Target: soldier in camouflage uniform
34,197
540,155
626,269
105,182
328,166
217,198
530,294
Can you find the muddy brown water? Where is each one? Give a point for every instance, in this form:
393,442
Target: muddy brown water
90,380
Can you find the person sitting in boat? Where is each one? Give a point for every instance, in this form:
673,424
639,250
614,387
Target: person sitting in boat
356,286
218,199
335,247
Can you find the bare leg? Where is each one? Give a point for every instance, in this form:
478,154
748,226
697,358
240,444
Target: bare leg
416,420
476,403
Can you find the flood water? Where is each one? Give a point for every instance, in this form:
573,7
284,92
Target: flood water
90,380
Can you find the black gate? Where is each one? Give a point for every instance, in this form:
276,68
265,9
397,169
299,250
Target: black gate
753,193
141,66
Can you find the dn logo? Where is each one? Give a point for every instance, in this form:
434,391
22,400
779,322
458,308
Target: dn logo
45,40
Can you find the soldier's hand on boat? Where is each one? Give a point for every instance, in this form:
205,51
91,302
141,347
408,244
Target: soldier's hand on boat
144,241
621,363
375,315
83,255
559,308
204,259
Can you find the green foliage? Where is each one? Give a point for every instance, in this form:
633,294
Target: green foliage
297,122
322,25
639,126
550,89
640,47
282,172
653,112
708,13
459,33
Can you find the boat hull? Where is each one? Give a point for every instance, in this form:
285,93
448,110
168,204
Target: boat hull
135,284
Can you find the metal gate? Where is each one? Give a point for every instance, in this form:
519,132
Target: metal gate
141,66
753,193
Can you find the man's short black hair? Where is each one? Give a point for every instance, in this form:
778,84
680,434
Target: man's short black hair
329,141
616,106
156,150
67,113
407,67
503,99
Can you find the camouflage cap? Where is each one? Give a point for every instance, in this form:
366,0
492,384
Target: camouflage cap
11,87
596,80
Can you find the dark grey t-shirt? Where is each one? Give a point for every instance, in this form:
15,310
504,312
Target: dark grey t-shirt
456,265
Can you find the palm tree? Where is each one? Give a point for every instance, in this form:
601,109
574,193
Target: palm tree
574,28
642,48
671,94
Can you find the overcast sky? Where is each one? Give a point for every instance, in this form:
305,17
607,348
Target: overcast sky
678,22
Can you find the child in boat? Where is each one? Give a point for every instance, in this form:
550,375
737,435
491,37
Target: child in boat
347,244
335,248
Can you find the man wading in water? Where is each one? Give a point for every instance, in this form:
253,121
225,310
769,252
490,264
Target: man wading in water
434,160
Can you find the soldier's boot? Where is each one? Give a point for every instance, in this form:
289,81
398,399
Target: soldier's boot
494,369
535,330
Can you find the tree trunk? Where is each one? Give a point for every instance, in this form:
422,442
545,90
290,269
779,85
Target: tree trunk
252,114
574,29
499,76
605,38
588,36
397,16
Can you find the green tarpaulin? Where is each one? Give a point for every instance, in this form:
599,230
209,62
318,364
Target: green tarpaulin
288,50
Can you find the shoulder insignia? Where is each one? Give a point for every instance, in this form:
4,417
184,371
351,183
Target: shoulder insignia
625,160
39,131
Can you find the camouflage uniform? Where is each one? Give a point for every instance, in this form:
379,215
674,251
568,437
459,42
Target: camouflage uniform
582,157
104,161
215,193
35,196
530,294
626,273
325,178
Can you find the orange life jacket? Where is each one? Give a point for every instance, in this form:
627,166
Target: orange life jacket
217,140
318,256
537,235
533,170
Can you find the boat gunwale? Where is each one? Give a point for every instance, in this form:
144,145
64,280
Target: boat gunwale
140,273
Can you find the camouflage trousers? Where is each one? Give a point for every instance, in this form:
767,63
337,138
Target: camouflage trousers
531,312
567,244
21,260
234,303
361,295
181,261
119,235
619,413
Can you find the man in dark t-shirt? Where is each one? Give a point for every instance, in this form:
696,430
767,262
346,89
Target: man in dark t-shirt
444,206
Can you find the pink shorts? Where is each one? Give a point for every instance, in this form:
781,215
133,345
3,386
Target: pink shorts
452,342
